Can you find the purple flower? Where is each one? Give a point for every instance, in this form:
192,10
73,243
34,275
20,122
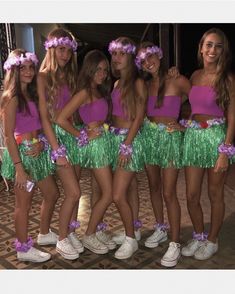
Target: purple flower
65,41
128,48
145,53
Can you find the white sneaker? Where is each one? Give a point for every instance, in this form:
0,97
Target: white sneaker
76,243
65,248
106,238
129,246
48,239
156,238
191,247
120,238
93,244
206,250
172,255
33,255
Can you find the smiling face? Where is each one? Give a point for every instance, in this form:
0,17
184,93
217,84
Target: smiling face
212,49
150,63
101,73
63,54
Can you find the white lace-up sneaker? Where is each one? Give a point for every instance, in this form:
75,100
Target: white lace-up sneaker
76,243
93,244
126,250
206,250
191,247
172,255
106,238
65,248
48,239
120,238
33,255
156,238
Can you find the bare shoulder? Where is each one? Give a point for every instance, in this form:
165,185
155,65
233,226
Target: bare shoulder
196,75
116,84
41,77
139,83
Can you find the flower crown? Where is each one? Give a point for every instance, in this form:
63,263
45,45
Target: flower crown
61,41
18,60
128,48
144,54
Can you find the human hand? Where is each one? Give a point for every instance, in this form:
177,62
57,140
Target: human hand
173,72
221,164
35,149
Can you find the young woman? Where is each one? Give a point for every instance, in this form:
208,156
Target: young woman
57,81
163,145
93,140
128,108
208,139
26,160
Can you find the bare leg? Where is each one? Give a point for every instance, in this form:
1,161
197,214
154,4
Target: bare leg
22,208
170,176
103,177
194,178
216,194
133,198
121,182
50,193
154,179
71,187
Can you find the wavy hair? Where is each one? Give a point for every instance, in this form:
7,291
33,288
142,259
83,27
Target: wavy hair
221,83
51,67
129,95
12,86
162,75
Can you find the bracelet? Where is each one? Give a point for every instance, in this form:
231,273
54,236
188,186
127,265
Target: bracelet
42,138
82,139
60,152
125,149
15,163
227,149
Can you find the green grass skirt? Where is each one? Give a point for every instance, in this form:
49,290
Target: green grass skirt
200,148
162,148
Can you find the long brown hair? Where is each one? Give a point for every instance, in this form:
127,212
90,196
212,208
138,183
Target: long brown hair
88,70
12,86
221,83
51,67
162,75
129,95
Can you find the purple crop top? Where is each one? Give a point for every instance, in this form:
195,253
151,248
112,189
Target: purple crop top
94,111
203,101
169,108
27,122
117,107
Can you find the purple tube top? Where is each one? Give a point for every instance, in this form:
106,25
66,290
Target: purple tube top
94,111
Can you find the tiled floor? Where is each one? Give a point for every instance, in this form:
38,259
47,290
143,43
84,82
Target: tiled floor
144,258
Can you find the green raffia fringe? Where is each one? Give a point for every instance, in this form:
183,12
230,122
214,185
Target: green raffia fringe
67,139
137,159
38,168
162,148
200,147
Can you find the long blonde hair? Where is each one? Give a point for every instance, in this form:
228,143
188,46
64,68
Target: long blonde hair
12,86
51,67
221,83
129,95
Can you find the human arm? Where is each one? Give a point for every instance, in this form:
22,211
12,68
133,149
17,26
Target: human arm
222,162
9,119
138,120
45,118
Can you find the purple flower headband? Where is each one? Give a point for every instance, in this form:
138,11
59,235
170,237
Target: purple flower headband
144,54
128,48
61,41
18,60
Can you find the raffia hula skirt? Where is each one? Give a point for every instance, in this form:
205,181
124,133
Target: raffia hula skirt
118,135
163,147
97,153
70,143
38,168
201,141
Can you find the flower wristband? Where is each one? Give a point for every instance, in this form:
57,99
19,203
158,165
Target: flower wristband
125,149
60,152
82,139
227,149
